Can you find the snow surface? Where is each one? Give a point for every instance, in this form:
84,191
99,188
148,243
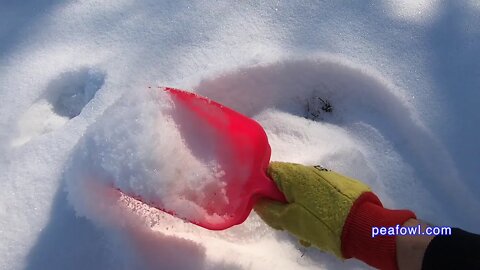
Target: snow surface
135,146
402,77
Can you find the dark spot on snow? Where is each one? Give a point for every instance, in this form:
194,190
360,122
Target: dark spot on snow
315,105
71,91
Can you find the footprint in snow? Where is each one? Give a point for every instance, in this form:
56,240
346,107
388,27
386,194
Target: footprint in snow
63,99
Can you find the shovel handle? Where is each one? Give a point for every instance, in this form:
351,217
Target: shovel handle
271,191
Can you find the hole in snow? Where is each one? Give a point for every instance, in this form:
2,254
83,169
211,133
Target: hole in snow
71,91
64,98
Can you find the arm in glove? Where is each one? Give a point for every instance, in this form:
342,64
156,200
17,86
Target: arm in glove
332,212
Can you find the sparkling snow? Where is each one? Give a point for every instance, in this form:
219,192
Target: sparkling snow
402,78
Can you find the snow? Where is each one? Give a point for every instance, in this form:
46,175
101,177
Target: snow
402,77
136,147
420,11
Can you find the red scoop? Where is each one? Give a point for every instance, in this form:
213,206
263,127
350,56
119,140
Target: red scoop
238,144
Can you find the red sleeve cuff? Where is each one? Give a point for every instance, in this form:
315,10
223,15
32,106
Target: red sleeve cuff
357,241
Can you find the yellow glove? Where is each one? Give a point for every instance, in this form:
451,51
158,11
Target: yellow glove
319,203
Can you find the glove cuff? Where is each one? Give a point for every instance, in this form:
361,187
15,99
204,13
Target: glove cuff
357,241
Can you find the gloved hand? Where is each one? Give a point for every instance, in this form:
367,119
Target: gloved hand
332,212
319,202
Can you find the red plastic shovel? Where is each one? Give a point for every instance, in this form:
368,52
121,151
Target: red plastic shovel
240,146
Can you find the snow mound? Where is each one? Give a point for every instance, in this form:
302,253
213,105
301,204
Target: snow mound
137,148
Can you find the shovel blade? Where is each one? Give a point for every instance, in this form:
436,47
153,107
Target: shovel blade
239,145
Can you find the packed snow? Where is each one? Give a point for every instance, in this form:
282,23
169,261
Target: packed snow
385,91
